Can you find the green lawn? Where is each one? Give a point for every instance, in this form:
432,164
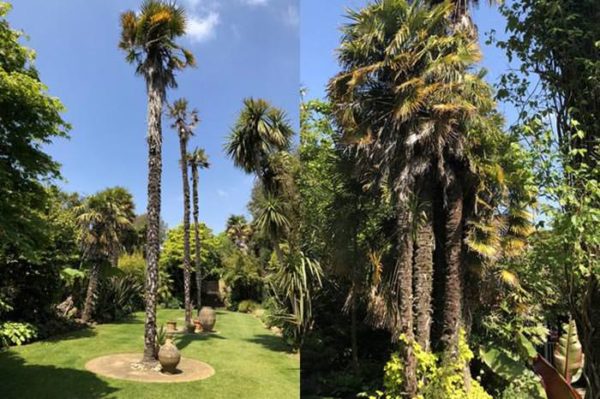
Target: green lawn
250,362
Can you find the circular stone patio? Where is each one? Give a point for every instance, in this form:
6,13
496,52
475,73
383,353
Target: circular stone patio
125,366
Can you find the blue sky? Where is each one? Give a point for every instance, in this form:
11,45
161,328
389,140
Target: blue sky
260,48
243,48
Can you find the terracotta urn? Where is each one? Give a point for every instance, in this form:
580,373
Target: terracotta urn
169,357
197,325
171,326
207,317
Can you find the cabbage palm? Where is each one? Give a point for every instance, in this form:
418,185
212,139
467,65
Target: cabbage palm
260,132
197,160
184,122
148,39
102,220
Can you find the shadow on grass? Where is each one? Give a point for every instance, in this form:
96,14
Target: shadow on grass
86,332
182,341
22,380
271,342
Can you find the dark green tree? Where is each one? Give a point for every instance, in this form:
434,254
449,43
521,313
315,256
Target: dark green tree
29,119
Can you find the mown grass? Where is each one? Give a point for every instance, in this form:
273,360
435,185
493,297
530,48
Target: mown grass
250,362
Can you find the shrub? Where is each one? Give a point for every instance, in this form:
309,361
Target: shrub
436,378
12,333
117,297
248,306
134,265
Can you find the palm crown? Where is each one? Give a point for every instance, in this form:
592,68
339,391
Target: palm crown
148,38
400,94
198,159
260,131
183,120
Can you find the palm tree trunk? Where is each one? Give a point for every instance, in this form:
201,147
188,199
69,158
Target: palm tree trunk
453,255
156,95
353,338
186,231
423,267
403,281
197,237
91,291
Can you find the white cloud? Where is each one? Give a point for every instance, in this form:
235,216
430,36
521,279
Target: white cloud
222,193
291,16
255,2
201,29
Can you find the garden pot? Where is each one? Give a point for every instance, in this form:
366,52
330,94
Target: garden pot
197,325
171,326
169,357
207,317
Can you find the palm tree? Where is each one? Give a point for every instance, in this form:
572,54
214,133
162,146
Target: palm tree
239,231
260,132
148,38
258,144
197,160
102,219
398,99
184,122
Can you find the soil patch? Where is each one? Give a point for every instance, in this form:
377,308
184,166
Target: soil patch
125,366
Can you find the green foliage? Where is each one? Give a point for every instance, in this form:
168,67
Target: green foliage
12,333
172,253
242,274
248,306
29,120
161,335
436,378
117,297
134,265
296,276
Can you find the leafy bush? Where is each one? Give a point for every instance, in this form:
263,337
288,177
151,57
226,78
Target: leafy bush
12,333
117,297
436,378
248,306
134,264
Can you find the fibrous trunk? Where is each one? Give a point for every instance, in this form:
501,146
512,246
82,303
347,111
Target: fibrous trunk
186,230
403,286
197,237
453,255
423,267
156,95
91,291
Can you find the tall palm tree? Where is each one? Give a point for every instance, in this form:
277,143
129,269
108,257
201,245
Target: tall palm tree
197,160
102,220
398,99
148,38
184,122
